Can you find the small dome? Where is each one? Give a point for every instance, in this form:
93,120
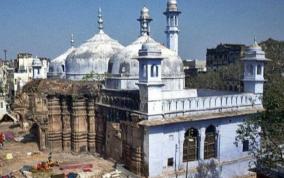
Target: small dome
36,62
254,53
172,5
149,49
172,2
57,65
91,56
145,13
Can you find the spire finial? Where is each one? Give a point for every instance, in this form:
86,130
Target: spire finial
72,40
144,20
255,44
100,21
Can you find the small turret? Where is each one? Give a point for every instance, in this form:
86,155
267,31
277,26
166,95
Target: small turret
254,60
144,20
36,65
150,80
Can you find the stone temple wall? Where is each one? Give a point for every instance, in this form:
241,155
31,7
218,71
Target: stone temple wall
76,120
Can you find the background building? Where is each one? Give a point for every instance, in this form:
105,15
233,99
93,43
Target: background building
193,67
27,68
224,55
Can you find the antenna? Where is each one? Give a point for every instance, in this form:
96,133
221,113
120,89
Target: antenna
5,54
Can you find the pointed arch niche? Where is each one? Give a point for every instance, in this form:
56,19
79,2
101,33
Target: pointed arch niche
190,145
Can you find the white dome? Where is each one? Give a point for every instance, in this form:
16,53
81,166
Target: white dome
124,63
91,56
171,65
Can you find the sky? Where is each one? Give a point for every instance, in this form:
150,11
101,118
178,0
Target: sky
44,27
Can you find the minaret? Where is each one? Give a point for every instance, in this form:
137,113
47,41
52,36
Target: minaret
172,30
144,20
150,80
254,60
72,40
100,21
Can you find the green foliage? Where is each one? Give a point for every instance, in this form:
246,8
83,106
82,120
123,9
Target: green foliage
267,127
93,76
216,79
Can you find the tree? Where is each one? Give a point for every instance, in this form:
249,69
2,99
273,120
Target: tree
265,131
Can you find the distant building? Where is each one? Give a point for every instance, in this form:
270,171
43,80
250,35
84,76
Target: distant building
6,82
223,55
192,67
27,68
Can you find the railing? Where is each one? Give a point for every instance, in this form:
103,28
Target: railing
211,103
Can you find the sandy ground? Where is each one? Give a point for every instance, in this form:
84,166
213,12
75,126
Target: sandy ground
19,151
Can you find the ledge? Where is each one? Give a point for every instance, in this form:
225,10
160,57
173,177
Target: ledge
198,117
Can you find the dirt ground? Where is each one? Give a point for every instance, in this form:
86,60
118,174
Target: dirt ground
28,154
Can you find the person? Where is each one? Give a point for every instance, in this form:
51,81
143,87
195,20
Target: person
2,139
49,157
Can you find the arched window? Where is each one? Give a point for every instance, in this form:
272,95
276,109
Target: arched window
190,145
258,69
210,144
154,71
250,69
124,68
62,68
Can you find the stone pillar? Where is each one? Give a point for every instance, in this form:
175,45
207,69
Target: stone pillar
201,142
41,138
54,124
100,131
91,126
66,119
80,128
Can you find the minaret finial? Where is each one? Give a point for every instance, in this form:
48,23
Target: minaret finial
144,20
72,40
100,21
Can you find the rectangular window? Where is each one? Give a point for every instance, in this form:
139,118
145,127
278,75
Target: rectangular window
170,162
258,69
1,104
245,145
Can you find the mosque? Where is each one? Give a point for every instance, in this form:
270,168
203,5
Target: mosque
161,128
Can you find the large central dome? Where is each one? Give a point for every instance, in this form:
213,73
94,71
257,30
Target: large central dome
92,56
123,67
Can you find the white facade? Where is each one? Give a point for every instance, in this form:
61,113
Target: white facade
170,115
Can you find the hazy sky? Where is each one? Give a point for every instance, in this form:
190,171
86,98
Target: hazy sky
43,27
